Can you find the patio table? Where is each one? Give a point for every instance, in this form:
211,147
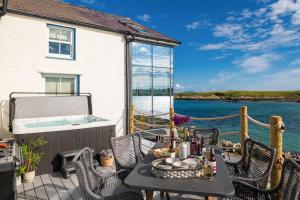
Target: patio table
220,186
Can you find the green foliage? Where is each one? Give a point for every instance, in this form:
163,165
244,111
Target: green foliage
239,94
21,170
30,155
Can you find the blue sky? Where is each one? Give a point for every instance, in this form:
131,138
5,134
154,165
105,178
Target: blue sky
226,44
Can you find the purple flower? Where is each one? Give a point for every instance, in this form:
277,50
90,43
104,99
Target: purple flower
179,120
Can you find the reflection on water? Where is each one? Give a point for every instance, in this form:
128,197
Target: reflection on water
161,104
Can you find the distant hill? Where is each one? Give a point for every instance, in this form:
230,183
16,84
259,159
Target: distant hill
241,95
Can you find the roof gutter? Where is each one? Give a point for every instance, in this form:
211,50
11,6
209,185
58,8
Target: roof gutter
4,8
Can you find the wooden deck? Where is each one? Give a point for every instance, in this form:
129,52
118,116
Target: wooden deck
55,187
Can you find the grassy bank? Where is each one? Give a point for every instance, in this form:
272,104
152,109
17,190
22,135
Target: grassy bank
241,95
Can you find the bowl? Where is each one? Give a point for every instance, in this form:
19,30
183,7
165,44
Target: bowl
161,152
191,162
172,160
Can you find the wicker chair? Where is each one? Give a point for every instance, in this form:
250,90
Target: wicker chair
287,189
94,185
127,151
255,166
210,135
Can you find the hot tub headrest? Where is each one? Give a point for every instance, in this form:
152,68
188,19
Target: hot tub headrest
49,106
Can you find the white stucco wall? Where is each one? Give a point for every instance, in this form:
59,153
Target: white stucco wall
100,59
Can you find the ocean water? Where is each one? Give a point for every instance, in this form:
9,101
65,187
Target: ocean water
260,110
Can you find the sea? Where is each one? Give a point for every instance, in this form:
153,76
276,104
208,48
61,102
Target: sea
259,110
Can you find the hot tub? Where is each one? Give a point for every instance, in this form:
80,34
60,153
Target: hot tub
66,122
59,123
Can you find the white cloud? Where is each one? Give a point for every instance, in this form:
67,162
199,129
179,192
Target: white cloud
218,57
230,18
193,26
264,30
88,1
296,62
246,13
257,64
286,7
144,17
223,77
216,46
225,29
179,87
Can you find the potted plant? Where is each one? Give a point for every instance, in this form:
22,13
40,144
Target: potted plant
107,158
31,157
20,171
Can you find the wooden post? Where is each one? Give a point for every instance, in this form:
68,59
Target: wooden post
131,118
244,127
276,129
171,122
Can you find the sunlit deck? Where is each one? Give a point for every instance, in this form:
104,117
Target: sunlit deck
55,187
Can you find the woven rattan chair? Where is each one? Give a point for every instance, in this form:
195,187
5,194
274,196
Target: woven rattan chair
94,185
287,189
210,135
255,166
127,151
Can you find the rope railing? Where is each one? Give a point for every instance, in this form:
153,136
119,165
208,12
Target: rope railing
211,118
151,133
151,115
230,133
258,123
152,125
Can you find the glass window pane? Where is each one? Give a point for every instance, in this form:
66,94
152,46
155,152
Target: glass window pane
141,54
52,85
54,47
65,35
161,90
54,33
161,56
141,88
67,85
161,81
65,49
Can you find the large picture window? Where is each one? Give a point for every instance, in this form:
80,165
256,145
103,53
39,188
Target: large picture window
152,74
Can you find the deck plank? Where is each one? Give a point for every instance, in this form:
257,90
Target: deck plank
60,188
73,191
29,191
20,192
39,188
49,187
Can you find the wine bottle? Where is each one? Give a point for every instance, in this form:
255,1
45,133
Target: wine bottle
212,161
188,143
199,152
172,149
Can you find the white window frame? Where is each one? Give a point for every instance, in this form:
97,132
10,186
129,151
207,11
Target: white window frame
61,76
71,43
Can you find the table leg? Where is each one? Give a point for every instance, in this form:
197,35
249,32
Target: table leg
149,195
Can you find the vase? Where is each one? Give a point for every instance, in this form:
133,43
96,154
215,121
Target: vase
28,177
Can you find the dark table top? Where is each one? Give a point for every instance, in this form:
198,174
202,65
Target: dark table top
220,186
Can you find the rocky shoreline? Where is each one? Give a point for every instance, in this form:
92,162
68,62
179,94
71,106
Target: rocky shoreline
240,98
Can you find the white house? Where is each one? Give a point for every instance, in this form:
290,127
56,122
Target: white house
50,46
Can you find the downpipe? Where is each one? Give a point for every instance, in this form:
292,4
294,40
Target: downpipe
4,8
